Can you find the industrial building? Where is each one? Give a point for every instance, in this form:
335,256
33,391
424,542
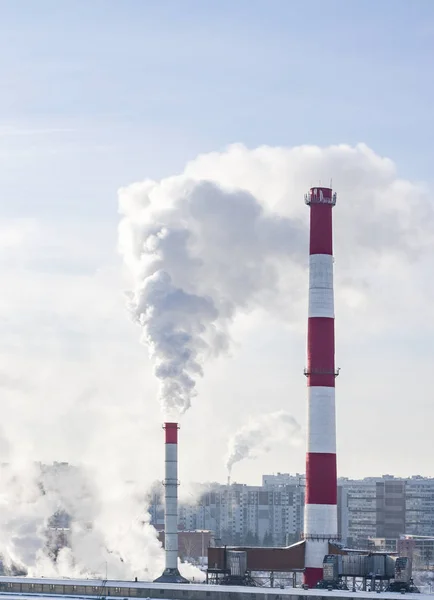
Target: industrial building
192,545
290,524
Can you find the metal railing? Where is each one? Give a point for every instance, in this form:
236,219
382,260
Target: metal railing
310,198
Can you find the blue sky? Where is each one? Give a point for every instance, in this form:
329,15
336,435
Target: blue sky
98,94
136,87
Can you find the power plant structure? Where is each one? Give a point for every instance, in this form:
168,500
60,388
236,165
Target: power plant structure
171,573
319,556
320,517
320,536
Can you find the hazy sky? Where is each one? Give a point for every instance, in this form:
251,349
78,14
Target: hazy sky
98,95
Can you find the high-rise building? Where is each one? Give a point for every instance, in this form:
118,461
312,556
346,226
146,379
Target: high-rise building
371,511
390,515
358,511
386,508
419,506
242,514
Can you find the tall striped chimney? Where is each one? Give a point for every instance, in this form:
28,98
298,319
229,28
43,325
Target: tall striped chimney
320,517
171,573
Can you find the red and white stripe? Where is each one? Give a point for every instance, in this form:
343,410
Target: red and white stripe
171,573
171,497
320,520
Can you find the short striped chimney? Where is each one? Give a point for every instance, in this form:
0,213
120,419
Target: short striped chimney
171,573
320,517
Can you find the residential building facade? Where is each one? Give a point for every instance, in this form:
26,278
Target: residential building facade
372,512
270,515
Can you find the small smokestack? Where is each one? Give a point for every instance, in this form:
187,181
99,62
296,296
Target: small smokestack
171,573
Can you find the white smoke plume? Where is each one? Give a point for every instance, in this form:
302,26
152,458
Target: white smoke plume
198,253
260,434
230,234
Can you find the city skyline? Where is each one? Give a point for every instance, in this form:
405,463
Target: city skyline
372,512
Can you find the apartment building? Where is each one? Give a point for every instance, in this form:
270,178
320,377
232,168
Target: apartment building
369,510
386,508
419,507
270,514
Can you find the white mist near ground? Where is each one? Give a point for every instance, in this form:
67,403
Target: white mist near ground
260,434
110,530
25,512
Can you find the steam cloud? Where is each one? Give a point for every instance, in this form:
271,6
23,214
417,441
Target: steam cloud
107,532
198,253
226,236
31,543
259,435
230,232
